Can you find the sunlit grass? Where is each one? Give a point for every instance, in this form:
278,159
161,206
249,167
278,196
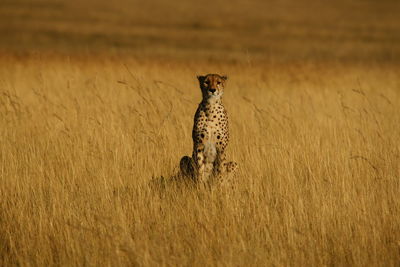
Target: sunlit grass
90,147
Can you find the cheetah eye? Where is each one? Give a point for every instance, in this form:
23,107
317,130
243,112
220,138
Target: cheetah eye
207,83
218,82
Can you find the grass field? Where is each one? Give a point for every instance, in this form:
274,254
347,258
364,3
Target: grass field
96,110
272,30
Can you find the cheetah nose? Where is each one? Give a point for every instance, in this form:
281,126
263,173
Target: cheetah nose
212,90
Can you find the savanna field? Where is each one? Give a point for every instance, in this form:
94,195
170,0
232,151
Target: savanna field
96,110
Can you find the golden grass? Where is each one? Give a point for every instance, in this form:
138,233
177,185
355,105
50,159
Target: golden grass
89,146
96,109
357,30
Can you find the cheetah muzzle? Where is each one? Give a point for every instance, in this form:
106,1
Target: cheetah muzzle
210,134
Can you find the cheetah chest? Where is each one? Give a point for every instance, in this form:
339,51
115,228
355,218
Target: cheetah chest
211,125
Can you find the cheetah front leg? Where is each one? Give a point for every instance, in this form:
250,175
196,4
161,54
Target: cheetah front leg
218,170
199,160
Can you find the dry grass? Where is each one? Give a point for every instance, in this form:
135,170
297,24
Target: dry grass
89,147
357,30
96,108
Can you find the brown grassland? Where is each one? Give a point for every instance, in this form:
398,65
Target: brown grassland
96,110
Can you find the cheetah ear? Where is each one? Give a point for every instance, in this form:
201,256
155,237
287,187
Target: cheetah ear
200,78
224,77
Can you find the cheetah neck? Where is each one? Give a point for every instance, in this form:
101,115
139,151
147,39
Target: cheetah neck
215,100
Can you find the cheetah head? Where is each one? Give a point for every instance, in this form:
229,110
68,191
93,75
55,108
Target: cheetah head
212,85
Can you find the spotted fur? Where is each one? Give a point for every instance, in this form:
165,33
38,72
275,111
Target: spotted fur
210,133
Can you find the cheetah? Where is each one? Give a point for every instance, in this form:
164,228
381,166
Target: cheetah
210,134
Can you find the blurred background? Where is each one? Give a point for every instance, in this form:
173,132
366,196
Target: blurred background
275,30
